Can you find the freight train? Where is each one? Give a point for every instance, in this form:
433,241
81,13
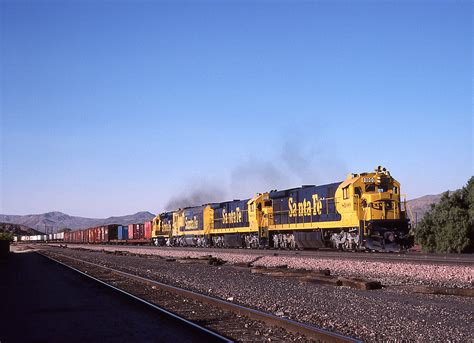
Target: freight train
119,234
50,237
363,212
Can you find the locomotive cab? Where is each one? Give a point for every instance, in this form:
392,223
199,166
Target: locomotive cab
156,231
383,221
161,228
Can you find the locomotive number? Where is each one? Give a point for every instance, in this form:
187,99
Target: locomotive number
369,180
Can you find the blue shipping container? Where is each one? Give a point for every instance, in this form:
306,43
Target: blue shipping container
123,232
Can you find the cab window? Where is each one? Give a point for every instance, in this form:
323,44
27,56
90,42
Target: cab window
345,193
358,191
370,187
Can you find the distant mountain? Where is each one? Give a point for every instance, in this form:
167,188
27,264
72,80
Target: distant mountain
53,221
419,206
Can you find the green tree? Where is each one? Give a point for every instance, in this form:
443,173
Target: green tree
6,236
448,227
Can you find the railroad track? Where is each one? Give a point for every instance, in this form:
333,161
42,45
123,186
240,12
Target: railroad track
199,332
449,259
215,316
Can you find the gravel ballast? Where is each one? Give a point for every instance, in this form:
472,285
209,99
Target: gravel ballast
392,313
388,273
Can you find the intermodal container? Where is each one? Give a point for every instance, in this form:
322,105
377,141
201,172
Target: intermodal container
140,231
130,231
147,232
122,232
60,236
91,235
136,231
98,234
104,234
112,232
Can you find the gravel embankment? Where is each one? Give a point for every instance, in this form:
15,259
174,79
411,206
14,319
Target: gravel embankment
377,315
388,273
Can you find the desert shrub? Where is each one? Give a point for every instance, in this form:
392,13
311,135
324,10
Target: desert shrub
448,227
6,236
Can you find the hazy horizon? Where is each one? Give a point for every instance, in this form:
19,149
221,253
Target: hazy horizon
111,108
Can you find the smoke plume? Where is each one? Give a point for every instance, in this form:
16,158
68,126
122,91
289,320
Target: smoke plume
293,165
196,194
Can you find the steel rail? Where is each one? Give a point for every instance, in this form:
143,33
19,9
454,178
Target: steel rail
309,331
330,254
167,313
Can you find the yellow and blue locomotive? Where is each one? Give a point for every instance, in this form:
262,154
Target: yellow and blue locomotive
366,211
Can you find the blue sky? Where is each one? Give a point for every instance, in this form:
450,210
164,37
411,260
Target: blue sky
109,108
